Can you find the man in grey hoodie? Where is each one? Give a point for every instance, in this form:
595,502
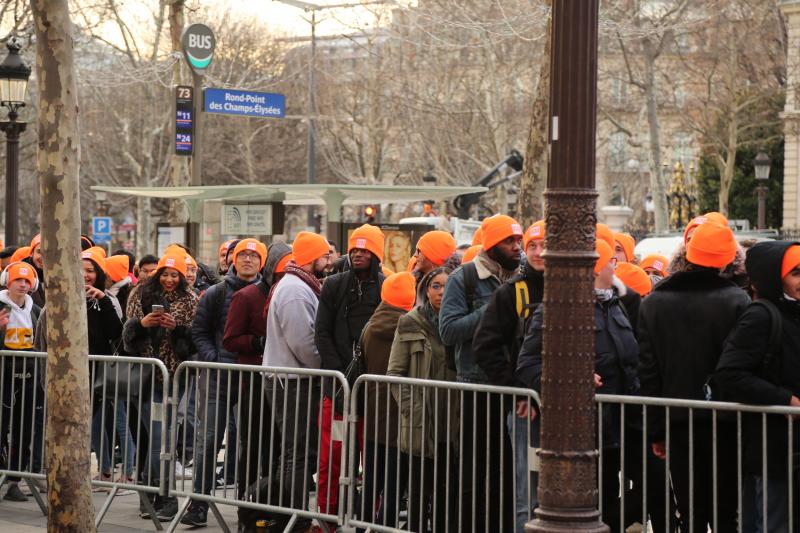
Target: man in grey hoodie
291,313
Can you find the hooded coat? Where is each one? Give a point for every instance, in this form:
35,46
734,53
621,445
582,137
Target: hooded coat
742,374
682,328
245,327
345,306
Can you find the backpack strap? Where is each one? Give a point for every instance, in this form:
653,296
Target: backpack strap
775,334
470,282
523,299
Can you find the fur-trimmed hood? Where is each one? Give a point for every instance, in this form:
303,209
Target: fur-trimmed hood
735,272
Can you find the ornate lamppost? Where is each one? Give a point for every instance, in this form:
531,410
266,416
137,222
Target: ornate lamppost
14,74
762,164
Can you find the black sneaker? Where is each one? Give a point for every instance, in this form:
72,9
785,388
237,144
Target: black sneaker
157,502
196,516
14,494
168,510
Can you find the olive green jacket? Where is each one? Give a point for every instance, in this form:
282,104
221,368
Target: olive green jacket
418,352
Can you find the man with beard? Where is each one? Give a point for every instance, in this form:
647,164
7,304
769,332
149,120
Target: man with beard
291,313
347,302
468,291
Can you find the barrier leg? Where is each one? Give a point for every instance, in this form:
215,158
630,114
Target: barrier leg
148,505
221,521
293,519
36,496
177,520
104,508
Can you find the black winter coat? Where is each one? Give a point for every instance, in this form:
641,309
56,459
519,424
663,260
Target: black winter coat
105,326
616,359
498,337
332,329
743,375
683,325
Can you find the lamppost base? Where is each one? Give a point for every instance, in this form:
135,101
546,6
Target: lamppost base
561,520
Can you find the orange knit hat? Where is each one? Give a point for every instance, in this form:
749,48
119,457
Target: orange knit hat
117,267
94,254
477,237
411,263
634,277
36,241
252,245
23,252
533,233
224,246
437,246
308,247
471,253
713,216
791,258
369,238
399,290
21,271
173,260
175,248
711,245
656,262
281,266
605,253
190,261
604,233
498,228
628,244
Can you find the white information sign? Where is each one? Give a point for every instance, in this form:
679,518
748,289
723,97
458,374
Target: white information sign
246,219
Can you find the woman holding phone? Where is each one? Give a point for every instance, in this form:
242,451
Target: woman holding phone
159,326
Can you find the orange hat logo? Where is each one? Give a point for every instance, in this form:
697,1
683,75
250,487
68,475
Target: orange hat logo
23,271
516,229
658,265
361,243
86,255
251,246
536,231
170,262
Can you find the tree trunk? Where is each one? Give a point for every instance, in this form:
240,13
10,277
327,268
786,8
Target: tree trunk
178,171
144,228
68,410
534,174
657,185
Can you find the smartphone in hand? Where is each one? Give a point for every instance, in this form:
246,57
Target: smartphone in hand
158,309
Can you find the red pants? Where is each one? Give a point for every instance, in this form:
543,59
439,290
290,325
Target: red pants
330,457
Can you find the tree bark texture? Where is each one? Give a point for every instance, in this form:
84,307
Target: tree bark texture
178,170
68,456
534,173
657,185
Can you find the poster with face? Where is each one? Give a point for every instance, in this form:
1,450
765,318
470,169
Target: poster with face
399,243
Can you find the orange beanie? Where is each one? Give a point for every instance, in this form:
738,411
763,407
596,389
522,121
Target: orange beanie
628,244
791,258
471,253
437,246
411,264
712,245
36,241
190,261
533,233
656,262
175,248
308,247
387,271
94,254
175,261
224,246
21,271
369,238
713,216
252,245
399,290
117,267
604,233
281,266
477,237
605,252
497,229
635,278
23,252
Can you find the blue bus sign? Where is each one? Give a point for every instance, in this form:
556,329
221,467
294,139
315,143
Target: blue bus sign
244,103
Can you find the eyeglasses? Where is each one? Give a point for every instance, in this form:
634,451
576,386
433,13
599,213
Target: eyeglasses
437,286
249,255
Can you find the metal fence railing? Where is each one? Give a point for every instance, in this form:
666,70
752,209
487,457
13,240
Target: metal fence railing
127,399
683,465
271,469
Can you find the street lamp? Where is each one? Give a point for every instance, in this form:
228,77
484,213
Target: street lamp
762,164
14,74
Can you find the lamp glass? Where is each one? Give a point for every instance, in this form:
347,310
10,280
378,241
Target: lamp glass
762,170
13,90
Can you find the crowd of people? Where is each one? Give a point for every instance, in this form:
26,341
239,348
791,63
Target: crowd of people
715,321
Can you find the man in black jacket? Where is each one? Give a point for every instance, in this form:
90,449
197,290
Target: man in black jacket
496,346
346,304
757,369
683,325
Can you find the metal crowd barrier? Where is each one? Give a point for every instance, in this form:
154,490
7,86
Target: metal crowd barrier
128,401
270,469
441,456
705,474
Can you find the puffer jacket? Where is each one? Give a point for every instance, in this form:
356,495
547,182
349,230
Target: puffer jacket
418,352
745,375
208,327
376,346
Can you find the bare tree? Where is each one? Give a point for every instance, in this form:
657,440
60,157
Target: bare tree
68,407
